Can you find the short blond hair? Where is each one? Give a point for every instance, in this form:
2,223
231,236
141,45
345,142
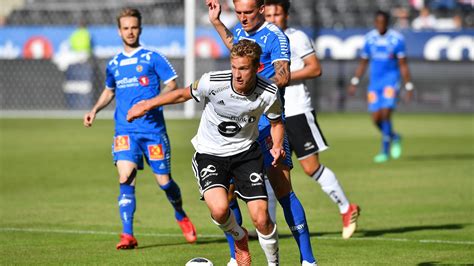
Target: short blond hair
129,12
247,48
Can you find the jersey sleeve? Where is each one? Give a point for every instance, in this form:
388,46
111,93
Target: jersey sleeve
274,110
279,48
365,52
109,79
164,69
400,48
304,46
199,88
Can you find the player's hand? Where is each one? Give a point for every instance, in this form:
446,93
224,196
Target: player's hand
214,10
89,119
351,90
138,110
408,96
278,154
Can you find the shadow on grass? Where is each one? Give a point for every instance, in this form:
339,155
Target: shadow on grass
381,232
201,241
439,157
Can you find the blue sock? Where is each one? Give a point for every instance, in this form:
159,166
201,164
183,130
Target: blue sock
296,220
173,193
234,206
127,206
386,135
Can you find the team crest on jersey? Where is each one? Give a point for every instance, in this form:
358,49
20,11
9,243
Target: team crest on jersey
155,152
121,143
139,68
144,81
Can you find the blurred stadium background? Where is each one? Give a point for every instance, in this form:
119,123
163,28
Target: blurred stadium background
37,63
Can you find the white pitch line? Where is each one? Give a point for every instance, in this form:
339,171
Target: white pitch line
89,232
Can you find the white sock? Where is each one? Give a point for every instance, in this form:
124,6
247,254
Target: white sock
328,181
230,226
269,244
271,200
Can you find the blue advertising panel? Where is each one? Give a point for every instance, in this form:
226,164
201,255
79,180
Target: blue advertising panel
34,42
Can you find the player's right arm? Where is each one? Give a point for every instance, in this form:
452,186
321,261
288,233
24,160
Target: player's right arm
360,70
172,97
214,17
105,98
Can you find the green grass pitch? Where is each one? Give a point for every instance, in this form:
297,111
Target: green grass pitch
59,188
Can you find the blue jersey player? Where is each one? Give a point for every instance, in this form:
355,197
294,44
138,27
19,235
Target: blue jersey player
274,65
385,50
132,76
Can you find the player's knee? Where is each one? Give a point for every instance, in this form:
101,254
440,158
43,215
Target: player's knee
262,221
220,213
128,179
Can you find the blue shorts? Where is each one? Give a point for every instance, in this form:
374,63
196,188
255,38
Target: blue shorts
382,97
266,143
155,147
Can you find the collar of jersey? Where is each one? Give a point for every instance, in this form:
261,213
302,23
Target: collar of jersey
257,30
132,53
238,93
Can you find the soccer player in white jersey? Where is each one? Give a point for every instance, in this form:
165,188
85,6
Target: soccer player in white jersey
226,146
274,65
131,76
304,134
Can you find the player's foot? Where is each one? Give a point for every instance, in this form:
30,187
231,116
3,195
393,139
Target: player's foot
127,242
232,262
349,221
381,158
305,263
188,229
396,148
242,253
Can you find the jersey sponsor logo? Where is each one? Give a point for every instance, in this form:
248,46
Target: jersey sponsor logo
240,119
237,97
121,143
256,179
144,81
155,152
139,68
229,129
128,61
127,82
218,90
371,97
389,92
207,171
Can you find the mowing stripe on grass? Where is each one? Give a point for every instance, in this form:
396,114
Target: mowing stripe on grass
90,232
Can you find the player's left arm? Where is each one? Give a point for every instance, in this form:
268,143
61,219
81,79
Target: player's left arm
172,97
282,73
277,131
405,72
311,69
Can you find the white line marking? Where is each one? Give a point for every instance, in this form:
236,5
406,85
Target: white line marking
89,232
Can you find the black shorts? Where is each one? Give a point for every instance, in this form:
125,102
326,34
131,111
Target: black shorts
305,135
246,169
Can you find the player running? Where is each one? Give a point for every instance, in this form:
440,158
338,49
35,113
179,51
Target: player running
385,48
274,65
305,136
226,146
131,76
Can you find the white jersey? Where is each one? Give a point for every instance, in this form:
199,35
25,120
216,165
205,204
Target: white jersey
229,123
297,96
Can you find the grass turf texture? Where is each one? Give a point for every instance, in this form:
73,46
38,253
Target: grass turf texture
58,196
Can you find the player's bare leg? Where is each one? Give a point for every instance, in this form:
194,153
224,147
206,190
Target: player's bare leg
173,193
218,204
